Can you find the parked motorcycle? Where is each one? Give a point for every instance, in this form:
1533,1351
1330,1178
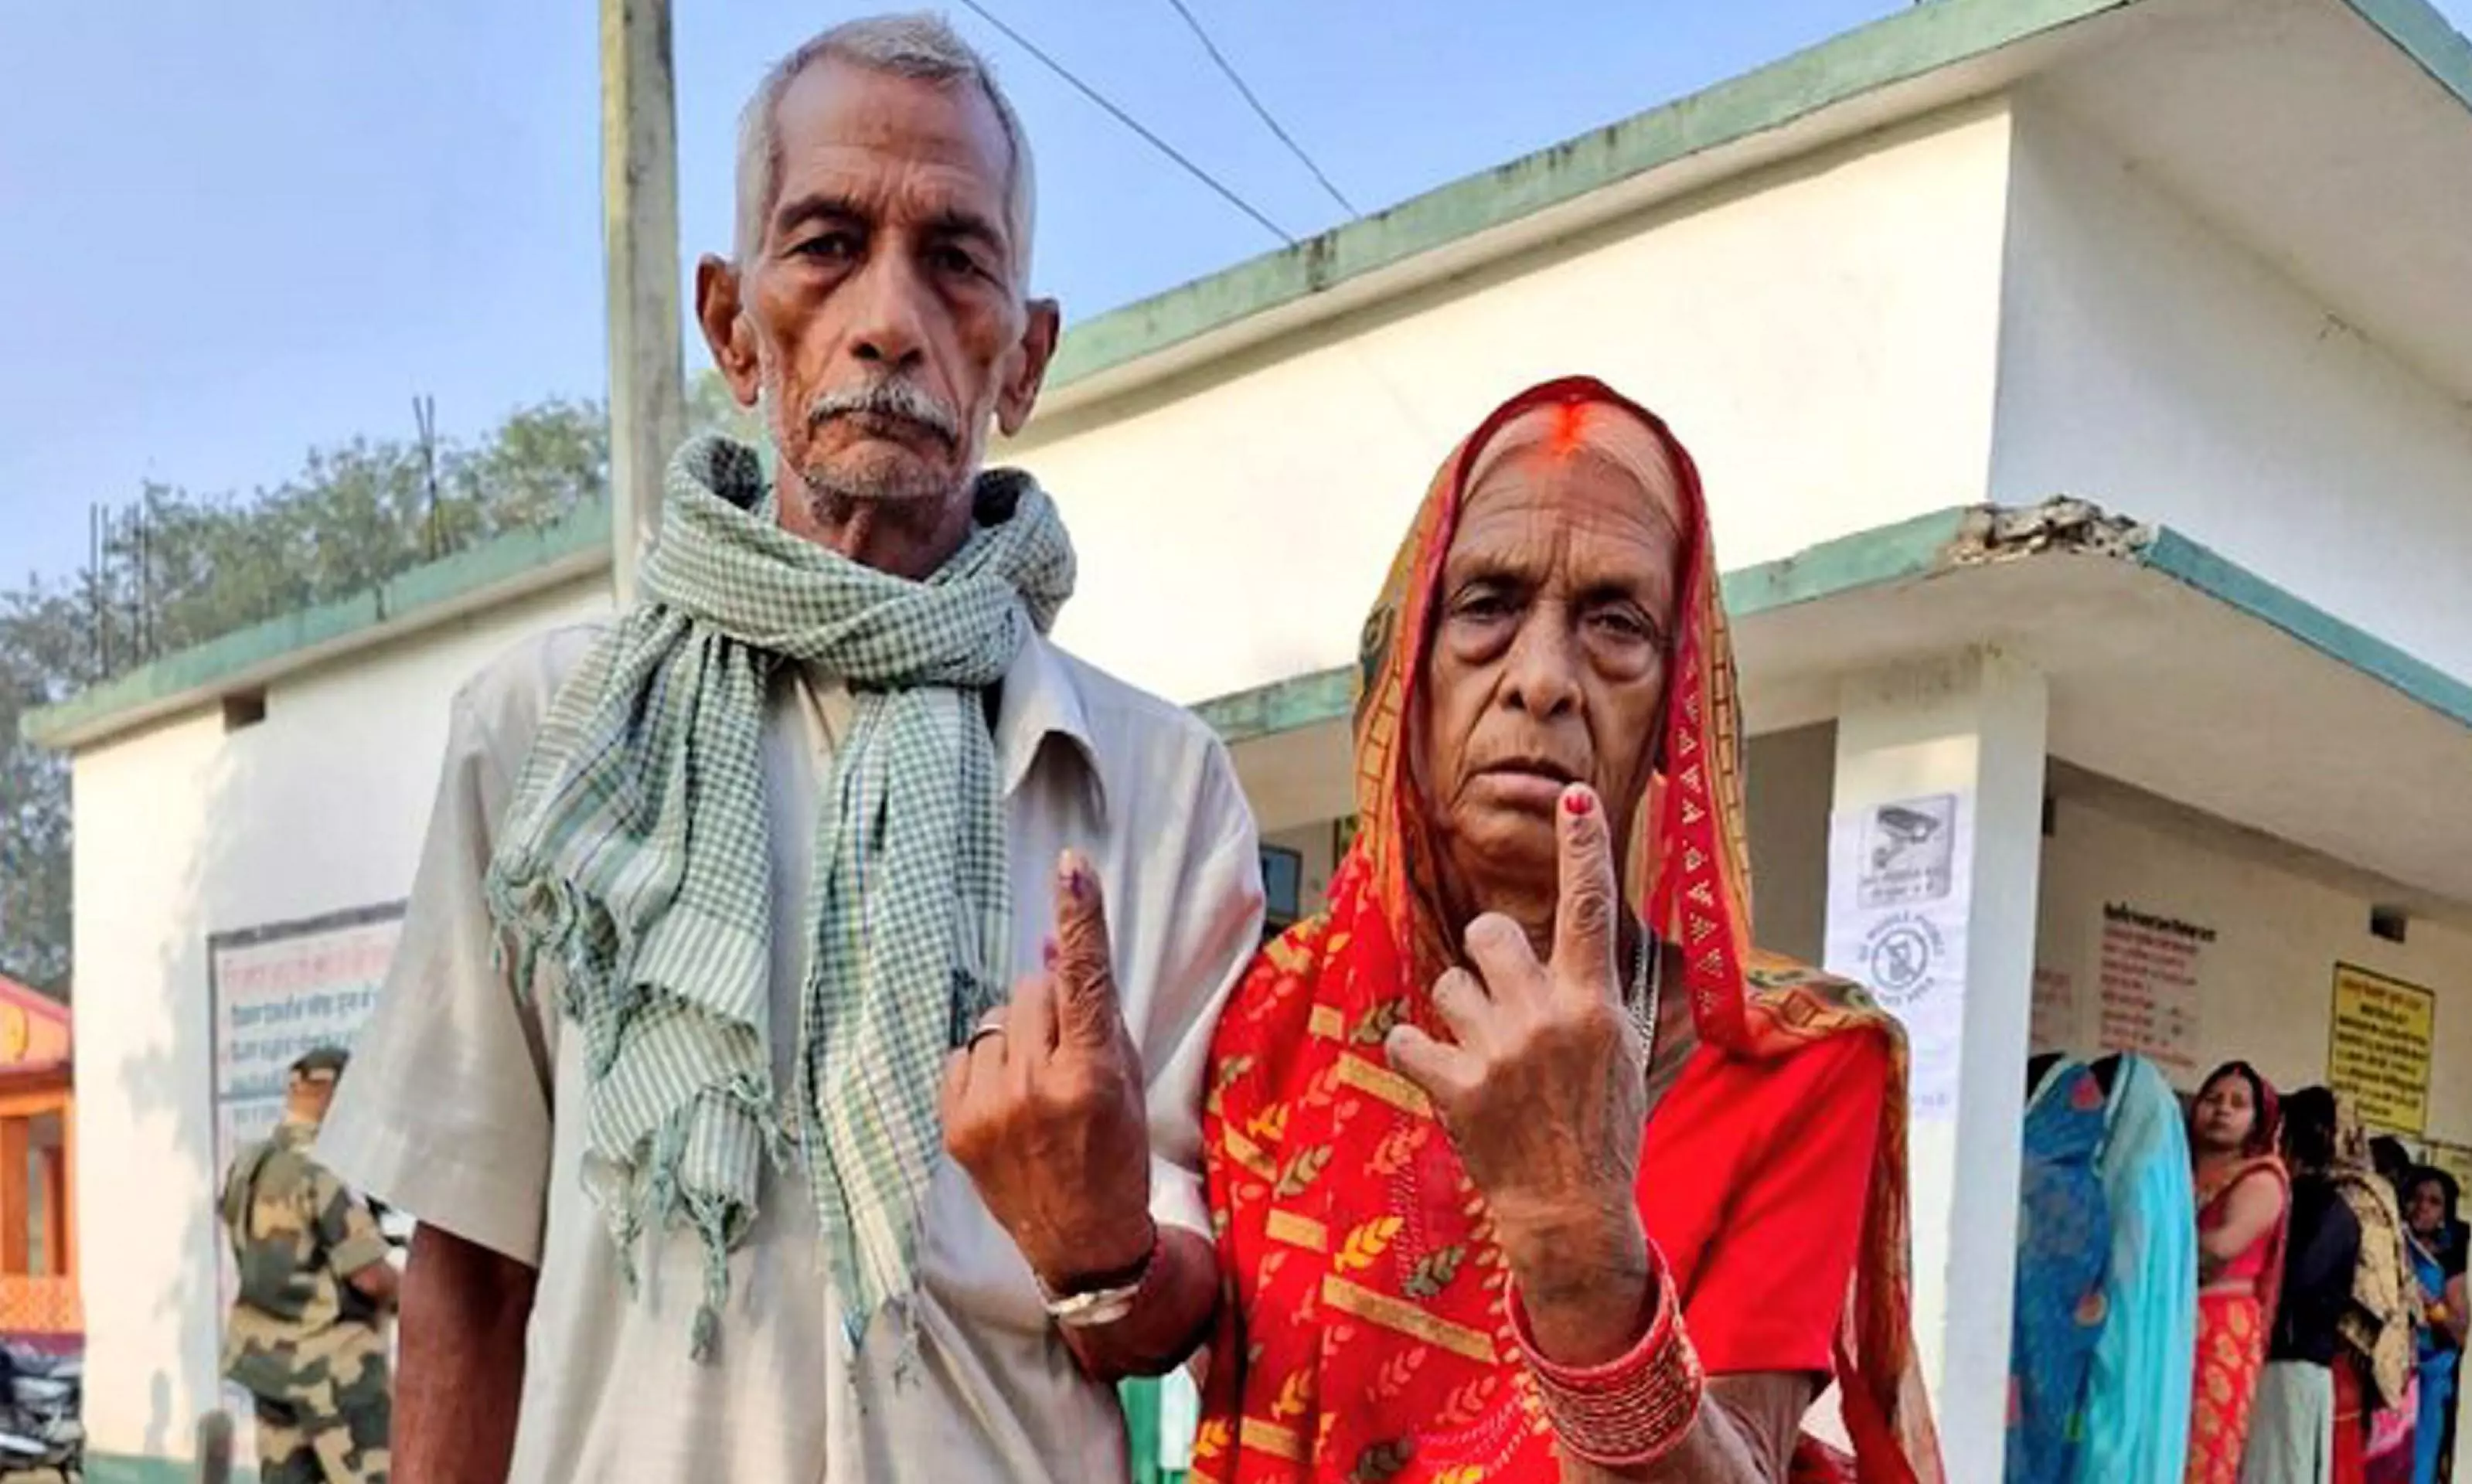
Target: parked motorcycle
41,1436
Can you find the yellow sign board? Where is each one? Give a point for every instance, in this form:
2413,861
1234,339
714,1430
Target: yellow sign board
2380,1048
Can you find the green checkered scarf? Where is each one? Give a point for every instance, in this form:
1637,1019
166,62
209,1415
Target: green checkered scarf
635,853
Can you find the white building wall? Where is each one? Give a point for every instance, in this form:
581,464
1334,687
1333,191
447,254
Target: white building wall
2153,366
1823,337
184,830
2266,983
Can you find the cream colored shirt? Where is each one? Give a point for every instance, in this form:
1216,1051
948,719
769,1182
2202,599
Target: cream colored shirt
465,1105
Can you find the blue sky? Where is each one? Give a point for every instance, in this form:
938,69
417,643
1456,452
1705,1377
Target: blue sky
231,232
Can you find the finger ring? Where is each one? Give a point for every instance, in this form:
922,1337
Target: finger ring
995,1028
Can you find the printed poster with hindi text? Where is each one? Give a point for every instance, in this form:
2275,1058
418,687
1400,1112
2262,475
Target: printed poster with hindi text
2379,1048
2152,966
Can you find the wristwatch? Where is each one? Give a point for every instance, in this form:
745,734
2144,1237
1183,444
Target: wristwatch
1091,1309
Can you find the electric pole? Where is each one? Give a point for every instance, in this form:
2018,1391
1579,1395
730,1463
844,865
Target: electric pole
639,206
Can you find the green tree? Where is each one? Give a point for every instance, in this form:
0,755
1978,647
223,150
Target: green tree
542,462
43,637
182,568
713,407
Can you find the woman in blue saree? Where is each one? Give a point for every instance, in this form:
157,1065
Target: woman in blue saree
2434,1241
2148,1348
2063,1252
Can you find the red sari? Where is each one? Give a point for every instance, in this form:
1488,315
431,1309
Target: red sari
2234,1316
1367,1336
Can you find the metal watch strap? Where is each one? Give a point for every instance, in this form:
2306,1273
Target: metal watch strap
1097,1306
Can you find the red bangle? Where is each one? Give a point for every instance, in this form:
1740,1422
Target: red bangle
1633,1409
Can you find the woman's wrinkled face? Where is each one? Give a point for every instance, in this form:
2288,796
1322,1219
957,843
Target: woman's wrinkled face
2227,1113
2426,1210
1551,641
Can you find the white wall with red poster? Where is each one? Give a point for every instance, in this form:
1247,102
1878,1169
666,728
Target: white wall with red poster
2194,943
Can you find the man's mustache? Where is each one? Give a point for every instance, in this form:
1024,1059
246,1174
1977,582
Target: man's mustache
891,397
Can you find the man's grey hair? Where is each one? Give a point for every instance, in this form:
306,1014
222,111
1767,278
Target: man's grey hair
921,46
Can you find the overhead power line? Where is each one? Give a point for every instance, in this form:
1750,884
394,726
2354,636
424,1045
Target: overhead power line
1133,124
1260,111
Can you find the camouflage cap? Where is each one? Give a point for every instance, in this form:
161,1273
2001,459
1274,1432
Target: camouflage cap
321,1064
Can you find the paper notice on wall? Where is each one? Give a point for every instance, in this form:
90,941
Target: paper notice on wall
1898,899
281,991
2151,963
2380,1048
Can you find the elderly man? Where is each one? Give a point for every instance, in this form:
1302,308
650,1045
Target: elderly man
704,972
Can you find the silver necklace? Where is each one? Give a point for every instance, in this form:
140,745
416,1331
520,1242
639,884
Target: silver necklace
1647,989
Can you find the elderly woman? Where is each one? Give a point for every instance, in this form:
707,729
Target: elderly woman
1511,1184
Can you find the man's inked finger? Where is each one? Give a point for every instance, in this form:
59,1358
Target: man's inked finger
1583,915
1086,1012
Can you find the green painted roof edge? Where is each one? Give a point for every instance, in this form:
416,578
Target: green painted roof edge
1897,552
2428,38
2200,567
430,585
1287,705
1915,41
1908,549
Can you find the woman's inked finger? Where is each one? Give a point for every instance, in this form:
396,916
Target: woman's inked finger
1583,913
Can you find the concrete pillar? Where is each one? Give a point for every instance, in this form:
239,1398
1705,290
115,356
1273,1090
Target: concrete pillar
1935,851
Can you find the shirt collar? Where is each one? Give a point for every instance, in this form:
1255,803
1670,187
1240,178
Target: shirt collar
1041,700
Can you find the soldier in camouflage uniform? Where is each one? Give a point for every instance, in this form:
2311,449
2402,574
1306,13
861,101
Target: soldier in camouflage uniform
307,1335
